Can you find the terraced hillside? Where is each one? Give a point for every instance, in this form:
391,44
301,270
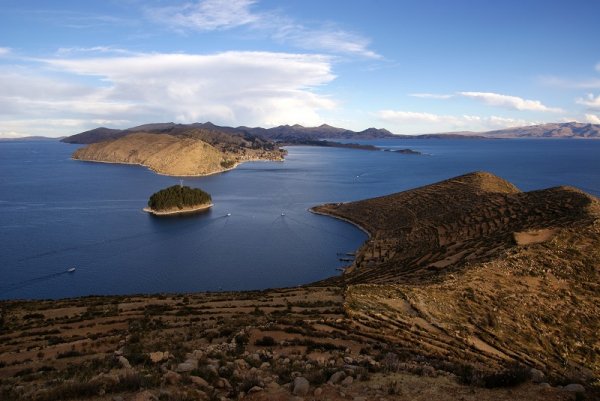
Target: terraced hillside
267,345
471,270
427,232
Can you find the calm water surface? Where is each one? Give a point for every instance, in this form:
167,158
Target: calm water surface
57,213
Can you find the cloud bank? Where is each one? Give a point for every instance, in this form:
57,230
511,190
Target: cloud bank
591,101
510,102
234,88
412,122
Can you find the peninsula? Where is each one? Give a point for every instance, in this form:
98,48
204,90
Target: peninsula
187,152
467,289
178,199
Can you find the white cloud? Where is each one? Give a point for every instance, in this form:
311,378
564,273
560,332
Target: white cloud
590,101
327,39
4,51
207,15
510,102
52,127
66,51
212,15
590,83
592,118
234,88
431,95
419,122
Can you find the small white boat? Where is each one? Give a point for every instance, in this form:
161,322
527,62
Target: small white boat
228,214
283,214
70,270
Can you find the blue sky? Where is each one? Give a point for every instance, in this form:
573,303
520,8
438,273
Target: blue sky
409,66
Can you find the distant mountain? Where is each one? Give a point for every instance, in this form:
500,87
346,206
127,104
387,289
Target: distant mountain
30,138
292,134
282,133
95,135
551,130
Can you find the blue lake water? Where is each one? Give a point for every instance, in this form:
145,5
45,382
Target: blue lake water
57,213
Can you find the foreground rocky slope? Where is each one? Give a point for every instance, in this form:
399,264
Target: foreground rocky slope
179,155
467,290
288,344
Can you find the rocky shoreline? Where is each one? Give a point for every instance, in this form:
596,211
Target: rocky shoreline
187,210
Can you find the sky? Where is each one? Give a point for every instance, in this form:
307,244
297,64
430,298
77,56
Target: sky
411,66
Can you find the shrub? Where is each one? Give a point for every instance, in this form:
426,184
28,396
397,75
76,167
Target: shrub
266,341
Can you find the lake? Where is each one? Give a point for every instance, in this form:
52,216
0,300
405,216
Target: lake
57,213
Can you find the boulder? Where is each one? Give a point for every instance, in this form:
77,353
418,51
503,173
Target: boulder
347,381
300,386
159,356
337,377
537,376
255,389
574,388
144,396
198,381
124,362
172,377
187,366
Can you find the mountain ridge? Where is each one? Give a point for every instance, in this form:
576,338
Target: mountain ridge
291,133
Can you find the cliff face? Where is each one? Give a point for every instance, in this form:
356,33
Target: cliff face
172,155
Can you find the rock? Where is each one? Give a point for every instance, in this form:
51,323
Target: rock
117,398
301,386
159,356
545,385
318,391
105,379
198,381
124,362
186,367
537,376
172,377
144,396
241,364
222,383
337,377
358,398
574,388
265,366
347,381
255,389
428,371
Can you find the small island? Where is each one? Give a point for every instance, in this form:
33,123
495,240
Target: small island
178,199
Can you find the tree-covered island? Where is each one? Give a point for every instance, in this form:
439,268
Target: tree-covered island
178,199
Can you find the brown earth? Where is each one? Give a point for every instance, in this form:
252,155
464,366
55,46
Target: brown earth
173,155
442,303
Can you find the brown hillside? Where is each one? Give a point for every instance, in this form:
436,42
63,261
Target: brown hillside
173,155
470,270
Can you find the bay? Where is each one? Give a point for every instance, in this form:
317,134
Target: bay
57,213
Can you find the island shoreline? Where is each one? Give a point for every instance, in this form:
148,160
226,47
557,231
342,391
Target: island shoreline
312,210
178,175
180,211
